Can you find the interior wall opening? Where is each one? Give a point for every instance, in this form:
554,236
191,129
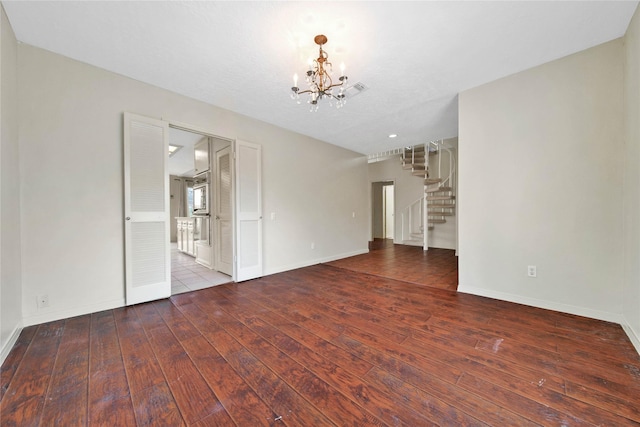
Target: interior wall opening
383,211
200,186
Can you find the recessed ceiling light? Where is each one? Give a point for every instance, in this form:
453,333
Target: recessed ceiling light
393,135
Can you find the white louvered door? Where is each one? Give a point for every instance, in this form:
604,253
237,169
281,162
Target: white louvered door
146,209
248,199
224,212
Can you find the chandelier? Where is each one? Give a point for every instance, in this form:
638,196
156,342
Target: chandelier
319,80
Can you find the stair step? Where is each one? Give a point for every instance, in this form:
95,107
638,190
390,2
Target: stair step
409,160
407,165
442,206
420,173
431,181
436,221
433,213
441,197
438,189
417,152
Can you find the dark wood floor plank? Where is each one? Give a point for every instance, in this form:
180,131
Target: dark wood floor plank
533,410
191,392
15,356
109,398
398,352
326,376
343,343
180,326
429,406
317,327
334,404
24,400
484,410
627,406
69,383
309,339
155,406
241,404
141,366
284,400
484,365
399,261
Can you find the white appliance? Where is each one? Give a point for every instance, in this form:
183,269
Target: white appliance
201,199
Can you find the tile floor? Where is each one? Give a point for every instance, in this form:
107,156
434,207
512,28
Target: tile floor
187,275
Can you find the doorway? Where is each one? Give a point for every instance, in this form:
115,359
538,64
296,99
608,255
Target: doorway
194,198
147,213
383,210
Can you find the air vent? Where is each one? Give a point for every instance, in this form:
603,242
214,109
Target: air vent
355,89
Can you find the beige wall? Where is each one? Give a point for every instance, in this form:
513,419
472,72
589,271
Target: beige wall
10,251
631,156
71,175
541,160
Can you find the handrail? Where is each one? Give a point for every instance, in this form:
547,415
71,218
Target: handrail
407,217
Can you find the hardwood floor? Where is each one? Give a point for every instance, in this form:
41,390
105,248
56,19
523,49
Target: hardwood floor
436,267
322,346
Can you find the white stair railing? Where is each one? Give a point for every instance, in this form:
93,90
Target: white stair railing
412,219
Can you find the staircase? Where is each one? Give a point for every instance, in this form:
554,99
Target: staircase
438,201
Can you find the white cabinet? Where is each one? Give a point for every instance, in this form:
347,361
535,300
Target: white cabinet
201,153
184,237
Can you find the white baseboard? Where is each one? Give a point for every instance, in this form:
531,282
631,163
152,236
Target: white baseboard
549,305
634,336
6,348
275,270
50,316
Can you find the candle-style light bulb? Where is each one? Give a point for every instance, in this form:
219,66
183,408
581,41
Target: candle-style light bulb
342,69
295,80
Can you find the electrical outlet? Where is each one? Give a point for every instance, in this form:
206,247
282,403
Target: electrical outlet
313,245
532,271
353,214
43,301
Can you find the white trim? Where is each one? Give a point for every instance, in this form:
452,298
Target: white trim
634,336
549,305
10,343
316,261
195,129
72,312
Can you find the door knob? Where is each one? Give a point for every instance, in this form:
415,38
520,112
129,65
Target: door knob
128,218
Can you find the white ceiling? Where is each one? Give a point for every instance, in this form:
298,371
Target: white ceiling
414,57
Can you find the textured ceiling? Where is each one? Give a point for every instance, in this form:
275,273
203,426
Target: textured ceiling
414,57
